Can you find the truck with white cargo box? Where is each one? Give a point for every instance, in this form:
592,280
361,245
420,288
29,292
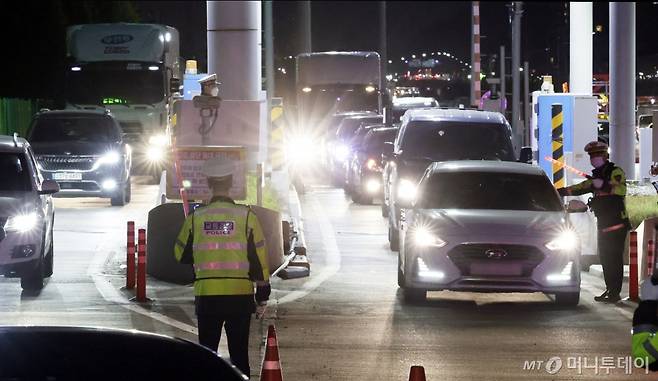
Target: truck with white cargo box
133,70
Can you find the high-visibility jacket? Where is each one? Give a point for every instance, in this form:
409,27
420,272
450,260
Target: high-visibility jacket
644,341
228,249
608,203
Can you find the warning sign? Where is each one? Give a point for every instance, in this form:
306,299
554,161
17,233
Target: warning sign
191,160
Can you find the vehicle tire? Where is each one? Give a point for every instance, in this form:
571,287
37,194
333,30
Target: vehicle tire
567,299
384,210
401,281
33,281
122,197
393,239
49,258
414,295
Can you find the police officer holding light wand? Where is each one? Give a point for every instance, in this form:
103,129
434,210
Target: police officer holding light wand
225,243
608,185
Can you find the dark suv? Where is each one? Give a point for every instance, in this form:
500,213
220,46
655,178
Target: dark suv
84,152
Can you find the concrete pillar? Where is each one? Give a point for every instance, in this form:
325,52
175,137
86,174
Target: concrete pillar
306,27
516,74
234,47
622,86
475,54
580,47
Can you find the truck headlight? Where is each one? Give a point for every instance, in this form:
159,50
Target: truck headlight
159,140
21,223
155,153
301,149
567,240
406,190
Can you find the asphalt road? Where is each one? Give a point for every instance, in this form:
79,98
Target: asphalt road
345,322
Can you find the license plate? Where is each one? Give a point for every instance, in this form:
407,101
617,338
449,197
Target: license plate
67,176
496,269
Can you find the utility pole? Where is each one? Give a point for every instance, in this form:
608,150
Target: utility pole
305,34
382,53
516,70
503,78
475,54
622,86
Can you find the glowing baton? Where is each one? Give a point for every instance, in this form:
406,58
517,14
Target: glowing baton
568,168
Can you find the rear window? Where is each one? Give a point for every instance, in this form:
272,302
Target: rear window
443,141
14,172
348,126
375,140
487,190
80,129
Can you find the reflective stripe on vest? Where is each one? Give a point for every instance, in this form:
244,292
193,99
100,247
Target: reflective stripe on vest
612,228
220,246
237,211
222,266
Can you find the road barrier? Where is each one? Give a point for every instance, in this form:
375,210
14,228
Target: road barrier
651,252
141,266
633,291
130,256
271,369
417,373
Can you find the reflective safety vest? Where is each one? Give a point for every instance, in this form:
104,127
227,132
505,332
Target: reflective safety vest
228,247
645,343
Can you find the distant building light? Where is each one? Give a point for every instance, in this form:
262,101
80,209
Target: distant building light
599,28
413,56
390,61
424,55
306,89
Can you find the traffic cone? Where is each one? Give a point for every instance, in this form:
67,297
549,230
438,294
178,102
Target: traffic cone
417,373
271,370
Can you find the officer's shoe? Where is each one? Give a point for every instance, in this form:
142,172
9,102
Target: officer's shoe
602,297
610,298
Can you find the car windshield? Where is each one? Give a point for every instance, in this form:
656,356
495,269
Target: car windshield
349,125
14,172
489,190
441,141
80,129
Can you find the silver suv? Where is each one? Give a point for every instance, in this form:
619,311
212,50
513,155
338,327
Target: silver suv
26,215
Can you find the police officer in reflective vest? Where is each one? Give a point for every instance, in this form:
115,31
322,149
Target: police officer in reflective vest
644,342
608,184
225,243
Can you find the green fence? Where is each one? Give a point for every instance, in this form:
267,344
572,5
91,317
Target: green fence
15,115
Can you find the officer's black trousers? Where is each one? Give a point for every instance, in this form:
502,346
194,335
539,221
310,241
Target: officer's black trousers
611,252
237,334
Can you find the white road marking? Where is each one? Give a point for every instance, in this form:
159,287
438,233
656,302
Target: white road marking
110,294
332,254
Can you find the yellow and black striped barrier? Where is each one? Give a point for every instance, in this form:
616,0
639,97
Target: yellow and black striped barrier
276,137
557,144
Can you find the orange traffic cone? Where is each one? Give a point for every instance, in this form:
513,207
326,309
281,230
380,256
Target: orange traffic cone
271,370
417,373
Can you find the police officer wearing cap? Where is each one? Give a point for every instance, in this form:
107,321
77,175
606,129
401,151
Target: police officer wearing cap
608,184
225,243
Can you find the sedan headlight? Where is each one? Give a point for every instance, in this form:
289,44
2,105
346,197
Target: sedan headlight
406,190
159,140
341,152
22,223
567,240
423,237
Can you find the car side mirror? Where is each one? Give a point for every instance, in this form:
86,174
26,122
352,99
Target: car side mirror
576,206
174,85
526,155
49,187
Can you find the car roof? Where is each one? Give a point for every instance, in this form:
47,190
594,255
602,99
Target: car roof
357,117
486,166
74,113
454,115
7,144
354,113
413,101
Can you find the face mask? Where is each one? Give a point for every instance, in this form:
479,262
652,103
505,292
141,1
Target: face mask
597,161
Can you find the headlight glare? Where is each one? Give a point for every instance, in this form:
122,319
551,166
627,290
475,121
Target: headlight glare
110,158
158,140
406,190
424,237
22,223
567,240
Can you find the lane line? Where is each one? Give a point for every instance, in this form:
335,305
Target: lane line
331,249
110,294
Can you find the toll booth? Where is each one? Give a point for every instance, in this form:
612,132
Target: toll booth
562,124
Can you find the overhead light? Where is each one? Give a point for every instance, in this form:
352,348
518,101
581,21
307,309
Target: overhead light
76,68
153,68
306,89
370,88
167,36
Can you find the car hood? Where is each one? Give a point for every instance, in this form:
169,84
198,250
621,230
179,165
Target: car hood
505,222
14,203
72,148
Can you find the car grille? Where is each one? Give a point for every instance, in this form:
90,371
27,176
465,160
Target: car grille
66,163
528,257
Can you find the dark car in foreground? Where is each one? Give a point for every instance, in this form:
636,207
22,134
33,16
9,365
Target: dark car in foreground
84,152
81,354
